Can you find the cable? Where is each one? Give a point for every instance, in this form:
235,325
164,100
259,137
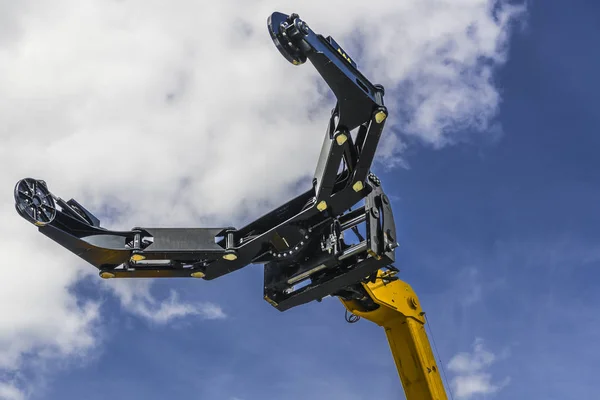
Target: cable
387,279
438,356
351,318
393,268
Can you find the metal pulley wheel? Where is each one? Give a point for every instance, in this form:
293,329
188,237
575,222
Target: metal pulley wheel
34,201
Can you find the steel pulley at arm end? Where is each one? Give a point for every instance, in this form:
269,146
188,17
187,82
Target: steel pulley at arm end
139,253
357,97
34,202
283,30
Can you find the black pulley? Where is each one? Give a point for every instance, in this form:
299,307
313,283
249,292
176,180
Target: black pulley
34,201
286,30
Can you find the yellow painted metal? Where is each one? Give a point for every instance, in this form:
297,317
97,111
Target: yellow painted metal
380,117
341,139
358,186
344,55
270,301
402,318
322,206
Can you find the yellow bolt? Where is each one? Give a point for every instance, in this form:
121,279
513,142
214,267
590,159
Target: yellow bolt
198,274
230,257
322,206
373,254
270,301
106,275
358,186
380,117
341,139
137,257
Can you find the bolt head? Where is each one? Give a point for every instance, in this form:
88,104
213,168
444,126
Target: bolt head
137,257
358,186
106,275
412,302
322,206
230,256
341,138
380,116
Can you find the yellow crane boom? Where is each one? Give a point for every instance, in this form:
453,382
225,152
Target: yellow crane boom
399,312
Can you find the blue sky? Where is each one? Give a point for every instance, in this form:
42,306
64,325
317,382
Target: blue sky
499,238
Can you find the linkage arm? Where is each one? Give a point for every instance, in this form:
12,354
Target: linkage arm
360,105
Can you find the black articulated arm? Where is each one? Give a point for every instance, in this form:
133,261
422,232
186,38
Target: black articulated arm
304,244
301,241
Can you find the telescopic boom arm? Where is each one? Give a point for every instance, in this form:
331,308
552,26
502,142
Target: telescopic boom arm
302,244
392,304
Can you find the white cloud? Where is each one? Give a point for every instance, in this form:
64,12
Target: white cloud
10,392
184,113
135,297
40,314
471,373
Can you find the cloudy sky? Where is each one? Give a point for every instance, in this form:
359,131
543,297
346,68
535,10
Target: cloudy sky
156,114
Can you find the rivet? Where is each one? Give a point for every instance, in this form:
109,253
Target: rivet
322,206
341,139
380,116
137,257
